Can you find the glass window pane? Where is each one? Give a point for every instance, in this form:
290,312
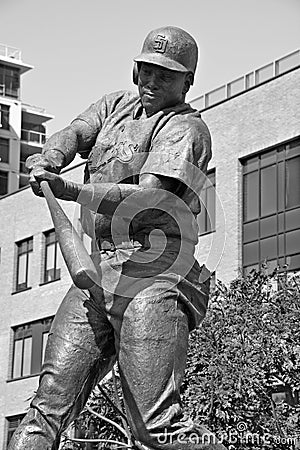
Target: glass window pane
29,244
17,359
50,262
281,223
4,150
268,158
268,226
293,149
22,268
251,231
44,343
268,248
250,253
251,196
3,182
293,182
251,164
50,237
292,219
292,242
281,186
27,356
268,191
13,423
293,262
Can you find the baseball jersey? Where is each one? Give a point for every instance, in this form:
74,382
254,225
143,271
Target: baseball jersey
174,142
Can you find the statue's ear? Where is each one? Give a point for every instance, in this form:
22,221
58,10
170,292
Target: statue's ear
189,80
135,73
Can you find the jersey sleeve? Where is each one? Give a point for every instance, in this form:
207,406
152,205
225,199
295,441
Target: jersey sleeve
181,150
94,115
91,120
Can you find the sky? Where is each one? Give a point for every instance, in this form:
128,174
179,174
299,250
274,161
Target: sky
82,49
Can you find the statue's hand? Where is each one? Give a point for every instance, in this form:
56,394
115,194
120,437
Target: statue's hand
62,189
52,161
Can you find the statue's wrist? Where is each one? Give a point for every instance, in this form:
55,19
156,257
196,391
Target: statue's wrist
56,158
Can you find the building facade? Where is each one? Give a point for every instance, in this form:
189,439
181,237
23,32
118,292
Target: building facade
22,126
251,211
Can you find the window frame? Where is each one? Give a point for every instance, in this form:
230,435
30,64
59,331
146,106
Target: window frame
10,430
4,116
209,219
4,143
6,178
49,241
19,287
260,229
36,331
10,79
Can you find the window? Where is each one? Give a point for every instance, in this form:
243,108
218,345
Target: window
32,132
29,347
4,117
206,218
12,424
271,208
52,257
24,254
3,182
9,82
4,150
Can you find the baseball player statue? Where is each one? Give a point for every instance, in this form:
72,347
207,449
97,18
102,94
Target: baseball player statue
147,155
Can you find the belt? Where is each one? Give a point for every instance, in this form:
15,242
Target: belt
107,244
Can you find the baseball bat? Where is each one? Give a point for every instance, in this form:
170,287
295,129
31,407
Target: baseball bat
77,259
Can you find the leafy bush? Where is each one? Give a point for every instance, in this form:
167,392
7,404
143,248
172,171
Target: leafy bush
247,349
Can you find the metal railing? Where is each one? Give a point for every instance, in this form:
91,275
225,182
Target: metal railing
10,52
245,82
34,137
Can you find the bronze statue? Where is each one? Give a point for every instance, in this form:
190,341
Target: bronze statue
147,156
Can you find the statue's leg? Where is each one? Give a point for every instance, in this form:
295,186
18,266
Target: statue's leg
80,350
152,345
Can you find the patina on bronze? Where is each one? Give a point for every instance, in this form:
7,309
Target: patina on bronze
147,156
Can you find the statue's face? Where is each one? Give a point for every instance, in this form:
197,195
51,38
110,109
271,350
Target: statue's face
160,88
